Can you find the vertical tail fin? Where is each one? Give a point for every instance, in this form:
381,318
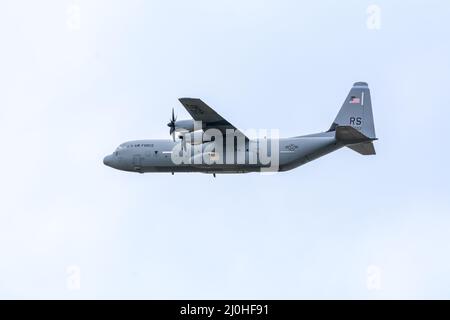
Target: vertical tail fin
357,111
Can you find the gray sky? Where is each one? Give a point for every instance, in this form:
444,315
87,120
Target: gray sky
80,77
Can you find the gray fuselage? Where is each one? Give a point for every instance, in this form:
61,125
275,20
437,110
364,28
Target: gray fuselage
156,155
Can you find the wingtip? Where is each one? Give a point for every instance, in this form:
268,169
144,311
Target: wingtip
187,99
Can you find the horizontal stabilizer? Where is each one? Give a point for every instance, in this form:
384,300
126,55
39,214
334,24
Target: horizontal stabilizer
365,148
350,135
355,140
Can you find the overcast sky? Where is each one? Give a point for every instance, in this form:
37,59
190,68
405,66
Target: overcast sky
77,78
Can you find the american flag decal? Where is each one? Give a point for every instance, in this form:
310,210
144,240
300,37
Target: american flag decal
355,100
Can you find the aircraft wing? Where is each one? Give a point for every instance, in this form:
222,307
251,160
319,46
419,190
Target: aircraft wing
200,111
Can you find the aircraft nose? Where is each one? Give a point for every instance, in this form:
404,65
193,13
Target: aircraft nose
107,161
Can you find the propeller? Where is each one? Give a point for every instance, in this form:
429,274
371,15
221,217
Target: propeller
171,125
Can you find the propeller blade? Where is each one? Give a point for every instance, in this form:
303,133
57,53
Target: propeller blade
171,124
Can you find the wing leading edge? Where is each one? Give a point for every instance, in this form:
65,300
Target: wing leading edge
200,111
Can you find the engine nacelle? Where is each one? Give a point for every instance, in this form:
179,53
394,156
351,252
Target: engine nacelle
184,125
195,137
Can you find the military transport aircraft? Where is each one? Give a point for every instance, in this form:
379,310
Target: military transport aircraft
211,144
